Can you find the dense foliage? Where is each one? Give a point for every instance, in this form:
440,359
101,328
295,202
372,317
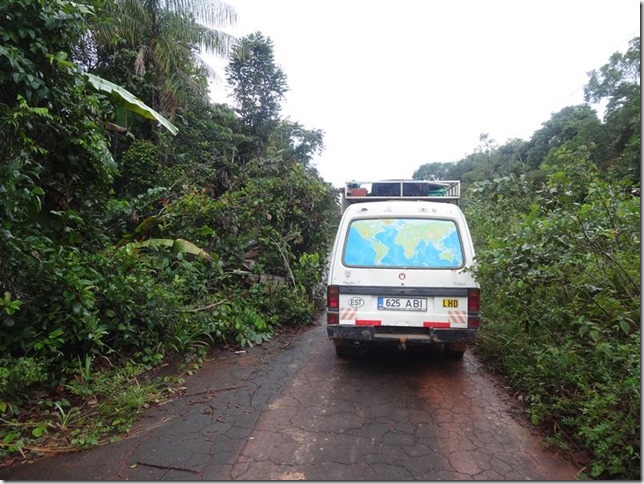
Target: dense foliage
556,223
123,246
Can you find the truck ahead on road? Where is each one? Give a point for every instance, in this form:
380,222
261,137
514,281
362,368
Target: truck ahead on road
398,271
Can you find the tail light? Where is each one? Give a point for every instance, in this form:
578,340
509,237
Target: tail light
473,308
473,300
332,297
332,305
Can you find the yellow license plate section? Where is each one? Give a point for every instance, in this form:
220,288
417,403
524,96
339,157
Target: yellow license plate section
450,303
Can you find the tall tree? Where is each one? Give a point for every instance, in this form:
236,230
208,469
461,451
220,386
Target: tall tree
618,82
433,171
258,86
296,143
167,37
573,126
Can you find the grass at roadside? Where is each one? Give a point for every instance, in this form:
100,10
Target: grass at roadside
93,409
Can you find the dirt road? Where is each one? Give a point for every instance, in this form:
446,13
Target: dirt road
289,409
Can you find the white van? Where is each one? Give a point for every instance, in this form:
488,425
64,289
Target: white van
397,272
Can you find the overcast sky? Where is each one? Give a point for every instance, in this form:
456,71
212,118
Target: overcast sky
394,85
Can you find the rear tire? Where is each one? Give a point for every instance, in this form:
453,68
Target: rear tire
346,351
455,351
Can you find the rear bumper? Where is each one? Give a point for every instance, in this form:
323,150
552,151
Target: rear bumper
398,334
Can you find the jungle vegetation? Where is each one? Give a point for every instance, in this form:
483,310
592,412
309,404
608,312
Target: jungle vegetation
557,230
123,245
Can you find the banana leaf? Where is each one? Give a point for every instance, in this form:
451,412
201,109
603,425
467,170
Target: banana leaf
129,101
178,246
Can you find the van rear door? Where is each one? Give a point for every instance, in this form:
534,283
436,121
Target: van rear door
399,267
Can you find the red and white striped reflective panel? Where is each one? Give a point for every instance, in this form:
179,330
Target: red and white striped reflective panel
454,317
457,317
348,314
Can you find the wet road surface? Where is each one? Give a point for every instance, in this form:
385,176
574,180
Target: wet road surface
290,409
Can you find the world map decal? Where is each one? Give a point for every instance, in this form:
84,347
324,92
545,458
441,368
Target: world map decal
397,242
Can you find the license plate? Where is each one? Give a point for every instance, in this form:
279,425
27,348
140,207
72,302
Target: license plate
402,303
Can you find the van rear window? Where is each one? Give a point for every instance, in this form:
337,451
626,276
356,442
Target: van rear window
403,242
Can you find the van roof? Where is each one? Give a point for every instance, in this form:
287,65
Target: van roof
402,207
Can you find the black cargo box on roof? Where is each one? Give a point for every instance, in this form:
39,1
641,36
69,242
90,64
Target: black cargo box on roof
363,191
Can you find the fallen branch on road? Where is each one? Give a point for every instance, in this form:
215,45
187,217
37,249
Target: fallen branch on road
169,468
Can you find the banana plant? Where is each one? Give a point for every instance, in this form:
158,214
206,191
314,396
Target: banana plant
125,99
177,246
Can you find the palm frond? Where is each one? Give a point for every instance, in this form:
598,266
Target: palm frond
210,13
168,36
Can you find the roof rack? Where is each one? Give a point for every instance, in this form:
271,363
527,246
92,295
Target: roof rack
369,191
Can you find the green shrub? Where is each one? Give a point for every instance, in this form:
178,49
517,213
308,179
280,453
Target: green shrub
19,375
560,278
